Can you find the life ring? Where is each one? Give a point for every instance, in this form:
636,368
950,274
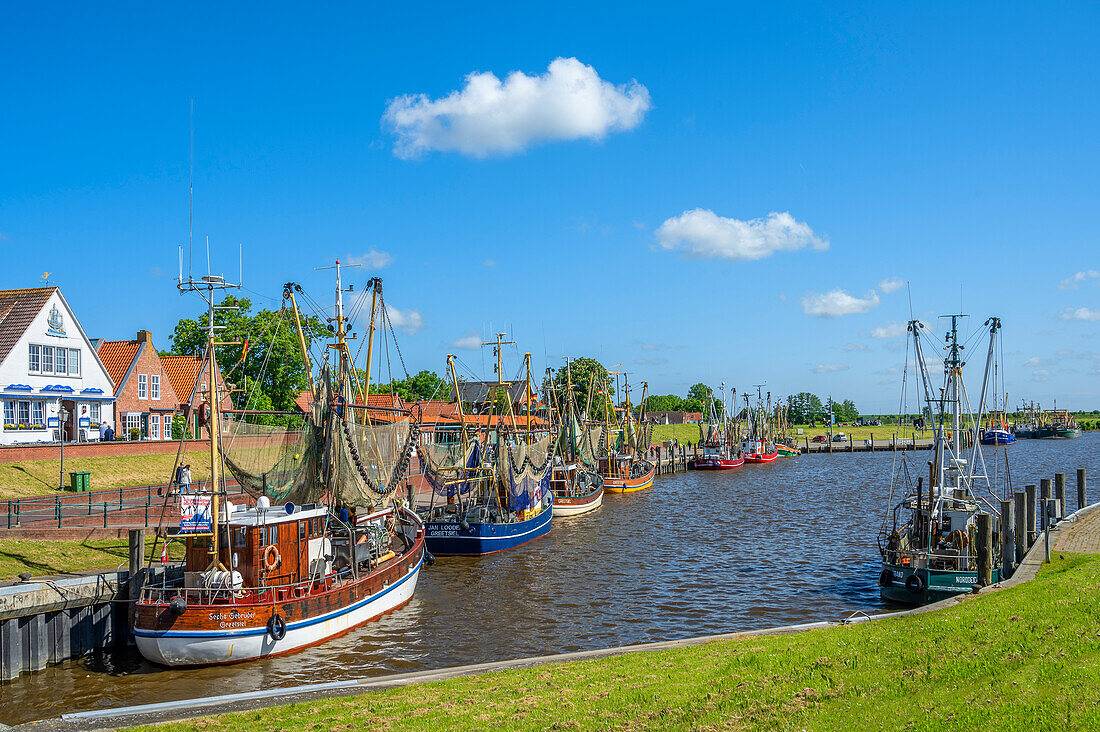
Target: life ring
276,627
272,558
914,583
886,578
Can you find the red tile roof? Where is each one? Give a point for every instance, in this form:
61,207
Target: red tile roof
19,308
304,401
117,357
183,372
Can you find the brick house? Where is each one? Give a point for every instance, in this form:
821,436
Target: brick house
190,384
144,396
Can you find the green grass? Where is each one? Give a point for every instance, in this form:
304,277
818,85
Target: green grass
859,434
683,432
40,477
59,557
1023,658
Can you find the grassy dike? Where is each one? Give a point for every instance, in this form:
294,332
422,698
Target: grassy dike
40,477
1023,658
42,558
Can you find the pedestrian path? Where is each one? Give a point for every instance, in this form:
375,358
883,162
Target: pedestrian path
1083,537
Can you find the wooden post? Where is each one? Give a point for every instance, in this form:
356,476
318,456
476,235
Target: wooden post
1008,542
850,449
1029,489
1082,492
895,442
136,576
1044,490
1059,494
984,542
1020,512
872,442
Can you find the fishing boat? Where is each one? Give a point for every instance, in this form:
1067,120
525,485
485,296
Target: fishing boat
720,451
927,541
784,442
997,433
757,446
575,480
496,481
328,544
1061,425
622,466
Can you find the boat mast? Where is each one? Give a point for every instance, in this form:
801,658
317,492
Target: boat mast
527,362
288,292
376,292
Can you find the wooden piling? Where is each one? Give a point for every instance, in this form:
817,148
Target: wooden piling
984,542
1059,494
1082,492
136,579
1031,497
1020,514
1046,492
1008,542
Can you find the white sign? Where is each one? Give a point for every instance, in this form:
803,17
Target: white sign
195,513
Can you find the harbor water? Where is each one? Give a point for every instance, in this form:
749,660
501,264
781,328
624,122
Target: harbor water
698,553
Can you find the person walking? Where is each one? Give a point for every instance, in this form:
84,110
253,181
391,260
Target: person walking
185,478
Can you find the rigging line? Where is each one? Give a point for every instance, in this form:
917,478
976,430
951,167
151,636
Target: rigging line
396,345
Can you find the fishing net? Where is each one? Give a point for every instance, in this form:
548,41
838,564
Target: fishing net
592,445
525,472
371,460
445,464
278,462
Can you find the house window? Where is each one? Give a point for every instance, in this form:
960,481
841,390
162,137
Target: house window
9,412
154,428
95,412
62,361
74,362
24,412
154,387
36,413
133,421
142,386
167,426
47,359
34,360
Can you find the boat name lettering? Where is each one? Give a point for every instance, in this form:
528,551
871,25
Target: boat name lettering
231,615
966,580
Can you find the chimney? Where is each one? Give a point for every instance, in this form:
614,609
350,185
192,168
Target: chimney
146,336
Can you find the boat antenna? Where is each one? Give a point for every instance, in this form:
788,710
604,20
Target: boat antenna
191,203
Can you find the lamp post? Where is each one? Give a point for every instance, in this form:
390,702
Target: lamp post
62,415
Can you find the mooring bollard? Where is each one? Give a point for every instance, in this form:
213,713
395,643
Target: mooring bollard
1082,493
1048,511
1020,514
984,541
1031,498
1008,542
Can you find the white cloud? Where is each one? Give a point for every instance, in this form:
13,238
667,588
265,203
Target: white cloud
1034,361
469,342
828,368
856,347
701,233
155,271
489,263
373,259
890,330
650,361
407,321
1040,375
1084,314
487,116
1072,283
891,284
836,303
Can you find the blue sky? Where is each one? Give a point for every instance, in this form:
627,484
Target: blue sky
951,147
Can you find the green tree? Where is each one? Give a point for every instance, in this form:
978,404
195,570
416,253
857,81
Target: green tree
422,386
846,411
804,408
271,372
584,372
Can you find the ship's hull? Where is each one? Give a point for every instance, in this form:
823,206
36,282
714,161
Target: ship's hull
576,505
448,538
232,632
761,457
629,485
931,585
785,451
998,437
715,463
1066,433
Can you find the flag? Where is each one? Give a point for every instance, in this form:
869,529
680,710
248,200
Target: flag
164,552
244,349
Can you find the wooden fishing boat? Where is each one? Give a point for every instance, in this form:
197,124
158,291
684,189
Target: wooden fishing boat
264,580
925,541
787,450
576,491
757,445
760,451
715,462
997,436
631,475
719,451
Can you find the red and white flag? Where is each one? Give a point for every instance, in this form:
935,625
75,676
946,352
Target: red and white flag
164,552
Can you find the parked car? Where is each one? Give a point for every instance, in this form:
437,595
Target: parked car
840,437
819,438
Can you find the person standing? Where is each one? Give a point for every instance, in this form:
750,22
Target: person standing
103,427
185,478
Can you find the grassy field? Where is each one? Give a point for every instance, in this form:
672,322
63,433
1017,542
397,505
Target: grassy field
1023,658
40,477
58,557
683,432
690,432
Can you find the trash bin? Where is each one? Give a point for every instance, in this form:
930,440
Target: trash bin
80,481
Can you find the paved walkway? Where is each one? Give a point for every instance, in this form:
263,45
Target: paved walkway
1083,537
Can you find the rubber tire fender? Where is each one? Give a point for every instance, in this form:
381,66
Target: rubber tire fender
886,578
276,627
914,583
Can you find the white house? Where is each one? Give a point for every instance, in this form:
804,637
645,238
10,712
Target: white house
46,363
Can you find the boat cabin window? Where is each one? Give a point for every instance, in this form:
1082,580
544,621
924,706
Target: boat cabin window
270,534
239,537
303,530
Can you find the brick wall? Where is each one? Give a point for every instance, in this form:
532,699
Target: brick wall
148,364
20,453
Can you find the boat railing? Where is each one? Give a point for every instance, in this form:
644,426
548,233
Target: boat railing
906,557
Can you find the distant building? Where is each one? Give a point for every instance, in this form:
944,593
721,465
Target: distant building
144,397
190,384
674,417
47,363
